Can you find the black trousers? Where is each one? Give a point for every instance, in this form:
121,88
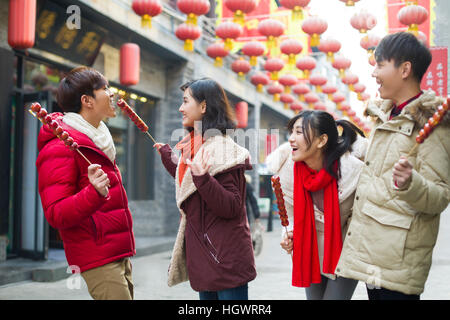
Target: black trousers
385,294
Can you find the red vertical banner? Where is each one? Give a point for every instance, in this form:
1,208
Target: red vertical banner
437,74
271,143
394,6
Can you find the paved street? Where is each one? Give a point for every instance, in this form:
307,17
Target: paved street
273,280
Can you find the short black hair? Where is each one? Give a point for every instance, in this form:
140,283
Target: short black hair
78,82
219,114
402,47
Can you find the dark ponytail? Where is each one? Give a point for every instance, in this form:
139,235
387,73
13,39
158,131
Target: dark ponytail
321,122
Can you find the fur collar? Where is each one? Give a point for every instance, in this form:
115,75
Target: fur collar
225,154
420,109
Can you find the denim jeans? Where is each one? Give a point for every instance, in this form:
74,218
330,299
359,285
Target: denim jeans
238,293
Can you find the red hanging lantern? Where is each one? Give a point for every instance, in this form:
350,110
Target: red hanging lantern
349,3
317,80
338,98
359,88
193,8
311,98
288,80
344,107
146,9
129,64
21,23
291,48
241,114
287,99
296,6
259,80
363,21
306,64
370,42
412,16
319,105
274,65
357,121
365,96
341,63
275,89
240,8
217,52
301,89
241,67
351,113
296,106
350,79
314,26
329,89
271,29
188,33
253,49
228,31
330,47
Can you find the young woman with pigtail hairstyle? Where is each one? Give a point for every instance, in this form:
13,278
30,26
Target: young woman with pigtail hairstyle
326,170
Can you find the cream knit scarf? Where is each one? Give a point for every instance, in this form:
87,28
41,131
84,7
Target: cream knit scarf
100,136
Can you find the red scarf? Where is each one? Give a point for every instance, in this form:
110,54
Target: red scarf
306,264
189,146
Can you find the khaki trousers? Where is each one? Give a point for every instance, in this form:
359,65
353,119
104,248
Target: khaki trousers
110,282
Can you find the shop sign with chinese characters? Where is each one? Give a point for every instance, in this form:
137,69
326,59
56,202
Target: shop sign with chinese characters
436,77
55,33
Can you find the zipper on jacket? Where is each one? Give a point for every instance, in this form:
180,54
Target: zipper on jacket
205,236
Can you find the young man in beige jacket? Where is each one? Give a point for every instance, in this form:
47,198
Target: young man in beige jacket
399,199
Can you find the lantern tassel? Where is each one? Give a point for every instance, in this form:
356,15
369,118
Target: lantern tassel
191,19
239,17
189,45
218,62
146,21
297,14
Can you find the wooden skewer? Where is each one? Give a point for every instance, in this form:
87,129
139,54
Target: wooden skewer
81,153
148,133
412,150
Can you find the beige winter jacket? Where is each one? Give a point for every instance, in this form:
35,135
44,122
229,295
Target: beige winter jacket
391,237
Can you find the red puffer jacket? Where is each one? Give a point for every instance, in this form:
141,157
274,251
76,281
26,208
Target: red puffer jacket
95,230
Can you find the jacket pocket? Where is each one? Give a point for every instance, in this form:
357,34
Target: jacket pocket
383,236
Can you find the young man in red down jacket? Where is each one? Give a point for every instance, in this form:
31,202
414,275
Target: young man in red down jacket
87,203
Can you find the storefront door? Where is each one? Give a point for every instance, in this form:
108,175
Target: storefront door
31,226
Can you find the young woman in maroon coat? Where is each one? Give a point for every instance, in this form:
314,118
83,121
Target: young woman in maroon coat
213,247
87,203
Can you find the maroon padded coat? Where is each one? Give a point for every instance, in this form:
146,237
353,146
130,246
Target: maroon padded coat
219,251
95,230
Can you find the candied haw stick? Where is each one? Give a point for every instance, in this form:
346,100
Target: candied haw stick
134,117
37,111
280,202
430,125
